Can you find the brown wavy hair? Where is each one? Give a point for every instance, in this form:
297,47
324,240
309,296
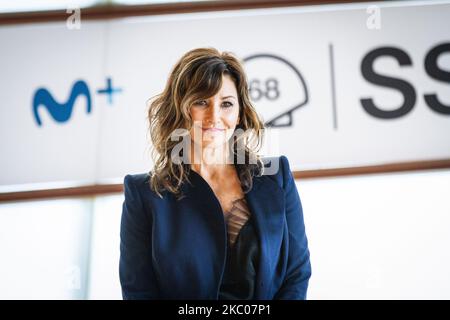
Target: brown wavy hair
198,75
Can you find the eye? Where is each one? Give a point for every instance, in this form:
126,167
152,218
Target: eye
228,104
200,102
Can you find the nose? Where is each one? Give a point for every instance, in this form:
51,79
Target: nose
213,114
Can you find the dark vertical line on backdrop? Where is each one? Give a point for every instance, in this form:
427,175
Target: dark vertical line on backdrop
333,88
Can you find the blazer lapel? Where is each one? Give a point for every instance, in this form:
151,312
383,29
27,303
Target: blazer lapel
267,204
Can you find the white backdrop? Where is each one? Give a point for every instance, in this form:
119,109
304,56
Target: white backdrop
374,237
309,76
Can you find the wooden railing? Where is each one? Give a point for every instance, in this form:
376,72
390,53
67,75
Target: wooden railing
94,190
114,11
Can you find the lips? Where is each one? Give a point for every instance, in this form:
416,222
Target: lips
213,129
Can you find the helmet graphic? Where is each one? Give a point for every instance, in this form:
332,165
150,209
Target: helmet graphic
276,88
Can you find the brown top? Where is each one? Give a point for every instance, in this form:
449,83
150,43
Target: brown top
235,218
242,259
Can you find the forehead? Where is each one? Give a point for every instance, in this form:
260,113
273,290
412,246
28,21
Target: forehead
228,86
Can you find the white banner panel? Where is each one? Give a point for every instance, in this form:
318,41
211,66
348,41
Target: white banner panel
338,86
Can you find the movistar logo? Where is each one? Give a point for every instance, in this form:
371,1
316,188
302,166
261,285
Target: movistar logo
61,112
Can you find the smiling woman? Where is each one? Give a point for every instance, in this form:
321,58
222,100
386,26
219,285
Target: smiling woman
207,95
208,228
217,116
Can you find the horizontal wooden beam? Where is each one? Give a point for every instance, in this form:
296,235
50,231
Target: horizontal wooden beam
374,169
72,192
113,11
95,190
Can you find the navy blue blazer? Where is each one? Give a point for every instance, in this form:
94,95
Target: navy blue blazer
173,249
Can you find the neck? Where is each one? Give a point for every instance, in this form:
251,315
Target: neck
210,161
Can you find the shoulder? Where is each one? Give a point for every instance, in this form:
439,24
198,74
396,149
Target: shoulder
136,182
277,168
138,185
276,162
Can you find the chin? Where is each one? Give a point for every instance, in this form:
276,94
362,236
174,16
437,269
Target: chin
213,143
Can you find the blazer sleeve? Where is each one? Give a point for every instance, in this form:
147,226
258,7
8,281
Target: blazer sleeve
298,271
137,277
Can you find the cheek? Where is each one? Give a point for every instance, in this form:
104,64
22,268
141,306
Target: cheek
197,117
232,118
195,114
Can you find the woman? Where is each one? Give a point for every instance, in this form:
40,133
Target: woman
210,221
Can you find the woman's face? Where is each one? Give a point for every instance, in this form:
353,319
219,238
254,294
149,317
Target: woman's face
215,118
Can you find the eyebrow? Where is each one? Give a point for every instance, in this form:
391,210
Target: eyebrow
228,97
